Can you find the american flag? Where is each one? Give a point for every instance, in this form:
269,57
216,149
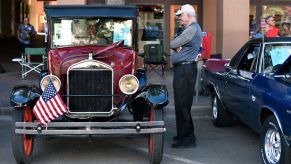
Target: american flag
49,106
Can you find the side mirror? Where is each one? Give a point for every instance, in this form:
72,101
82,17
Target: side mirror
227,67
230,69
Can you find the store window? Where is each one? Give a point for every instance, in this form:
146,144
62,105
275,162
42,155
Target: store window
253,27
280,13
150,25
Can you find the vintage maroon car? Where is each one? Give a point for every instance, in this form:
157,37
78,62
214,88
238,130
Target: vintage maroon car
92,62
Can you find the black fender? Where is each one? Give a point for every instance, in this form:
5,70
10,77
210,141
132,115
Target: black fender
155,95
152,96
23,95
142,78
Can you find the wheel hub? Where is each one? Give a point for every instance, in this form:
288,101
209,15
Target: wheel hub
214,107
273,146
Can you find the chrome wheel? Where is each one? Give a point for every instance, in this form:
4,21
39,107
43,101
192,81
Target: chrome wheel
220,116
273,146
214,107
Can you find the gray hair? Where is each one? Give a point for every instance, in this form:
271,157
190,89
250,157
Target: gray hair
192,14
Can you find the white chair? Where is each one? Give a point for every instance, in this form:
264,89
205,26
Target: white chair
28,66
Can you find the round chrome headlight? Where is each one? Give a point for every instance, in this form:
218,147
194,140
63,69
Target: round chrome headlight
128,84
55,80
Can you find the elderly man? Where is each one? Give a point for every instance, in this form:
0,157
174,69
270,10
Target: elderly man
186,47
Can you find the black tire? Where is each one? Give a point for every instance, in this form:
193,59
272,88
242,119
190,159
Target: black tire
273,142
156,141
22,144
219,116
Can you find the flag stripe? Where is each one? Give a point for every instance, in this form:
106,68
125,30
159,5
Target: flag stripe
38,116
49,109
43,121
47,112
39,111
55,104
42,113
53,107
61,103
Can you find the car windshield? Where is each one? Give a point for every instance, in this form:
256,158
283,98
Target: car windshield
275,54
93,31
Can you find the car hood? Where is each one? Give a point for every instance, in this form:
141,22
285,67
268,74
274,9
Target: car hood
62,58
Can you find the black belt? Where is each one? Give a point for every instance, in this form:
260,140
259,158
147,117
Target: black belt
183,63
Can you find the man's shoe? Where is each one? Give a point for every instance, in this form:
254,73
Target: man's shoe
191,138
182,144
175,138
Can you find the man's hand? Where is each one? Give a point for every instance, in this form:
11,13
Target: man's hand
178,49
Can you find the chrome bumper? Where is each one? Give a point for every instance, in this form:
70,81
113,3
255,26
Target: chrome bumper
89,128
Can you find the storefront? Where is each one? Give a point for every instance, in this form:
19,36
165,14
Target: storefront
280,9
228,21
157,19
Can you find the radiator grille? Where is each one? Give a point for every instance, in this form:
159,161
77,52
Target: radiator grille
90,82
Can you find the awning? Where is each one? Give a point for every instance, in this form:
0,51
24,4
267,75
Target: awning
91,11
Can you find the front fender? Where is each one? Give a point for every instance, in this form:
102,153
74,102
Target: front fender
23,95
156,95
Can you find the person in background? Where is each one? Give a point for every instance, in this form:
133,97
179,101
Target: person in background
25,32
272,30
186,47
285,30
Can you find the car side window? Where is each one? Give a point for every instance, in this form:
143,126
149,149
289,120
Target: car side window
274,56
249,59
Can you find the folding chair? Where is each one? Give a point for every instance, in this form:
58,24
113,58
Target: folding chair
154,57
28,66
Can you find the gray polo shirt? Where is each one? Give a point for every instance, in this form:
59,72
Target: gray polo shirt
190,40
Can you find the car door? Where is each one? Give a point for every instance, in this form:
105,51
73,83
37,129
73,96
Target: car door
239,79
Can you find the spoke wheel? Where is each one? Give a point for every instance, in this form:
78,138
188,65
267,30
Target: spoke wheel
156,141
22,143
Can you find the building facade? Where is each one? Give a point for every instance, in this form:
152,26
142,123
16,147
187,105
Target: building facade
230,22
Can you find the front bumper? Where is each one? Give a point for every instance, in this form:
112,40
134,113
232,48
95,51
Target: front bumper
89,128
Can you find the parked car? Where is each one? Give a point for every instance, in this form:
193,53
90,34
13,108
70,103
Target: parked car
255,87
92,62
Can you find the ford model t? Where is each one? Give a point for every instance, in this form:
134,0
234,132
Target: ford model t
92,64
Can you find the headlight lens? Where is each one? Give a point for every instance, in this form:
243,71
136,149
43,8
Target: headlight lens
128,84
56,81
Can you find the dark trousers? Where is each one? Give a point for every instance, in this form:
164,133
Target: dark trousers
184,86
23,46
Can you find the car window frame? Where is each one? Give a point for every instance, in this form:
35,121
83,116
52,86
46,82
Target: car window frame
243,52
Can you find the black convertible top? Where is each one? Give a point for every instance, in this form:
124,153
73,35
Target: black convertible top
91,11
274,39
